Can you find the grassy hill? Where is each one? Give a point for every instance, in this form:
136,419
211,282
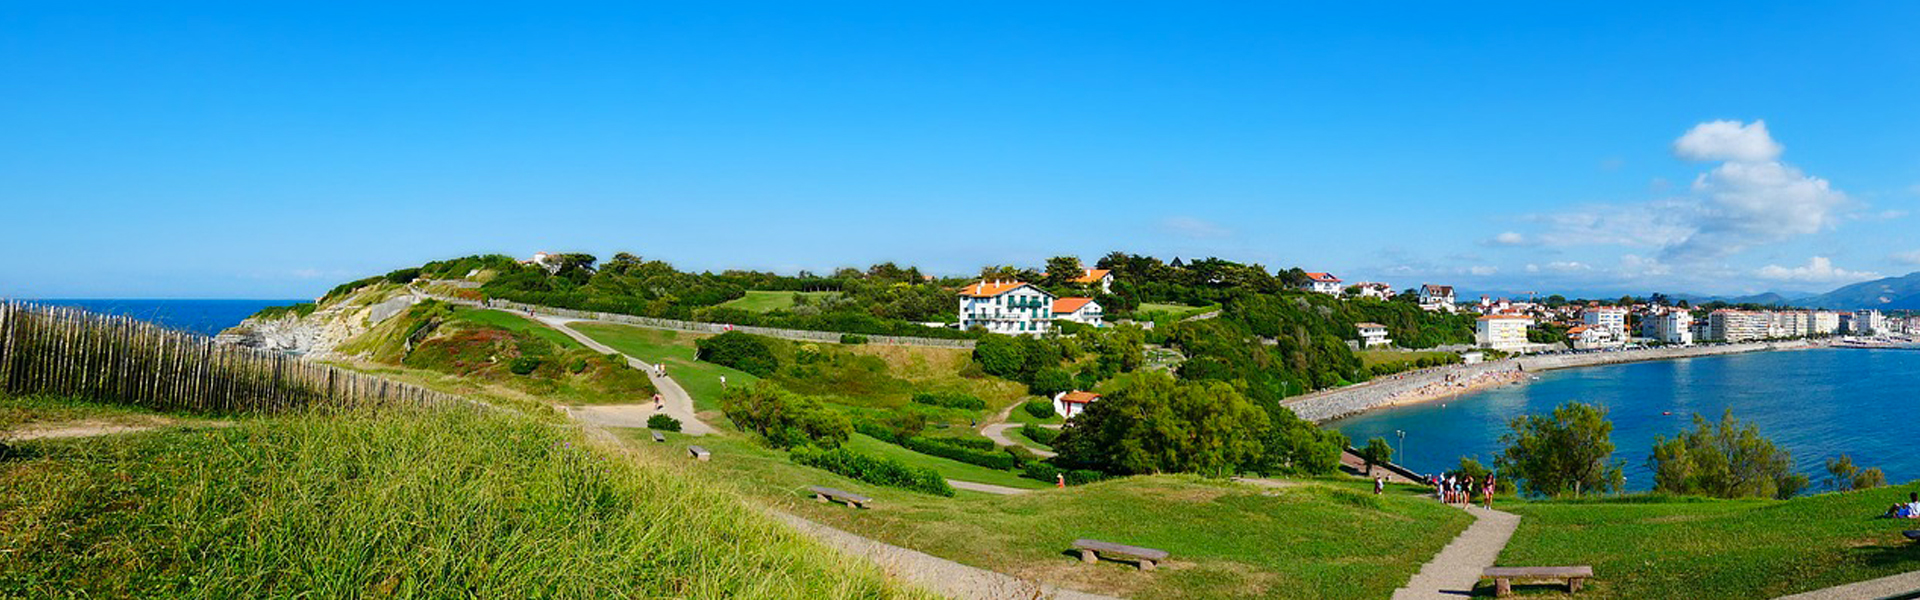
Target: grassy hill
503,349
396,503
1657,547
761,302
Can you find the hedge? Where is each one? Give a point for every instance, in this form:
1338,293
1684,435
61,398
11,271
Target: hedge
1039,434
879,471
950,400
991,460
663,423
1050,474
1039,408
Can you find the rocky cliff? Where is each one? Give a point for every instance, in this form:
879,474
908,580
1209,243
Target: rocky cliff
319,334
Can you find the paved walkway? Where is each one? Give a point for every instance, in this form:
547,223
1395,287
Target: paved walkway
1456,569
987,488
939,575
1904,585
679,404
998,433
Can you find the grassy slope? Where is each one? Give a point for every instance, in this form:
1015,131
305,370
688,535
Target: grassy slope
1375,357
1322,539
769,301
1653,548
518,324
453,503
946,467
17,411
675,350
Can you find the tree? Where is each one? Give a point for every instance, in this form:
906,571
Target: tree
784,419
1296,445
1159,425
1565,452
1377,452
1061,269
1050,381
1727,459
1843,475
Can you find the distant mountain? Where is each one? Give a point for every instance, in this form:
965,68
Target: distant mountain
1766,299
1892,293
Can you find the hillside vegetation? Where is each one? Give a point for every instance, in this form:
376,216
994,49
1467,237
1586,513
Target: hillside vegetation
400,503
502,349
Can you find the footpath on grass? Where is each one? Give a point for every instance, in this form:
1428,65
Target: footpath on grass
1455,571
677,403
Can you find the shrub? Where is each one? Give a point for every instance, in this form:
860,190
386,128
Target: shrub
404,276
1040,408
1039,434
988,459
663,423
1050,381
1040,471
1084,476
877,431
577,366
879,471
782,418
1000,355
523,365
950,400
745,352
852,338
974,442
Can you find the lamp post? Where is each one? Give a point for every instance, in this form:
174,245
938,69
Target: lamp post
1403,443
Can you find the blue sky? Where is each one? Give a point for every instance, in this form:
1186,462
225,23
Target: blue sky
272,150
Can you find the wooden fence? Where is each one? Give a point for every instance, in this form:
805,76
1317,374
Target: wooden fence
77,354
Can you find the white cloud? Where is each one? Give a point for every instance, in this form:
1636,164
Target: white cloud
1196,228
1749,199
1911,257
1482,270
1818,269
1728,141
1565,266
1508,238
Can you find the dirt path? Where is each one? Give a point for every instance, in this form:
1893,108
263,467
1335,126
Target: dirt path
987,488
998,433
1891,586
679,404
1456,569
942,576
95,427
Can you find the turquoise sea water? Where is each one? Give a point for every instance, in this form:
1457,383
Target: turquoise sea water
205,317
1816,403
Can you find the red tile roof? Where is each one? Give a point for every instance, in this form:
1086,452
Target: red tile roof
1092,276
1323,277
1068,305
1079,397
989,289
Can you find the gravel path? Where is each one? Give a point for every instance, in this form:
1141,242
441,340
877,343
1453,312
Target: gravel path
679,404
998,433
1891,586
1456,569
987,488
939,575
92,428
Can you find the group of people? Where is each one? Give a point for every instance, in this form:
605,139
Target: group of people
1458,489
1907,510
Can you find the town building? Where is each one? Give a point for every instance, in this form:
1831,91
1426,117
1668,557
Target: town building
1825,322
1079,310
1324,283
1436,297
1675,326
1375,289
1591,337
1101,278
1373,335
1728,325
1611,319
1502,332
1009,307
1070,404
1868,322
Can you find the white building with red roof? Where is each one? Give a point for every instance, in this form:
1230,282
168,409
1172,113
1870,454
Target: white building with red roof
1079,310
1502,332
1101,278
1324,283
1373,335
1009,307
1070,404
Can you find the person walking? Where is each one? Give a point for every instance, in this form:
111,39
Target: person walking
658,402
1379,485
1489,491
1060,480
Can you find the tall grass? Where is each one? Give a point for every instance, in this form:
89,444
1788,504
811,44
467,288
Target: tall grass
402,502
73,353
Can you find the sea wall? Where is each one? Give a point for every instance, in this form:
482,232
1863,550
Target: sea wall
1328,405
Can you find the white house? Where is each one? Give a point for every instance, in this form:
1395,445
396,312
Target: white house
1069,404
1589,337
1079,310
1436,297
1010,307
1502,332
1868,322
1324,283
1673,327
1373,335
1097,277
1375,289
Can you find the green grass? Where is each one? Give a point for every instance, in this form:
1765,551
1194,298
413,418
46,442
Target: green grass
517,324
423,504
1692,548
946,467
1320,539
675,350
1370,358
1020,436
770,301
18,411
1163,315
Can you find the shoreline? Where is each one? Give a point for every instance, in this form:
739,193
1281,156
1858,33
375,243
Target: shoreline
1446,382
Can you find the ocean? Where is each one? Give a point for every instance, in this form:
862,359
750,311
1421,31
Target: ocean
1817,404
205,317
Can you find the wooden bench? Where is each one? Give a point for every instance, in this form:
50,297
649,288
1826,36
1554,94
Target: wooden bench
827,494
658,437
699,453
1503,576
1090,551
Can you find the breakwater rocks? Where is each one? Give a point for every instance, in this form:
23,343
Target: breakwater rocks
1441,382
